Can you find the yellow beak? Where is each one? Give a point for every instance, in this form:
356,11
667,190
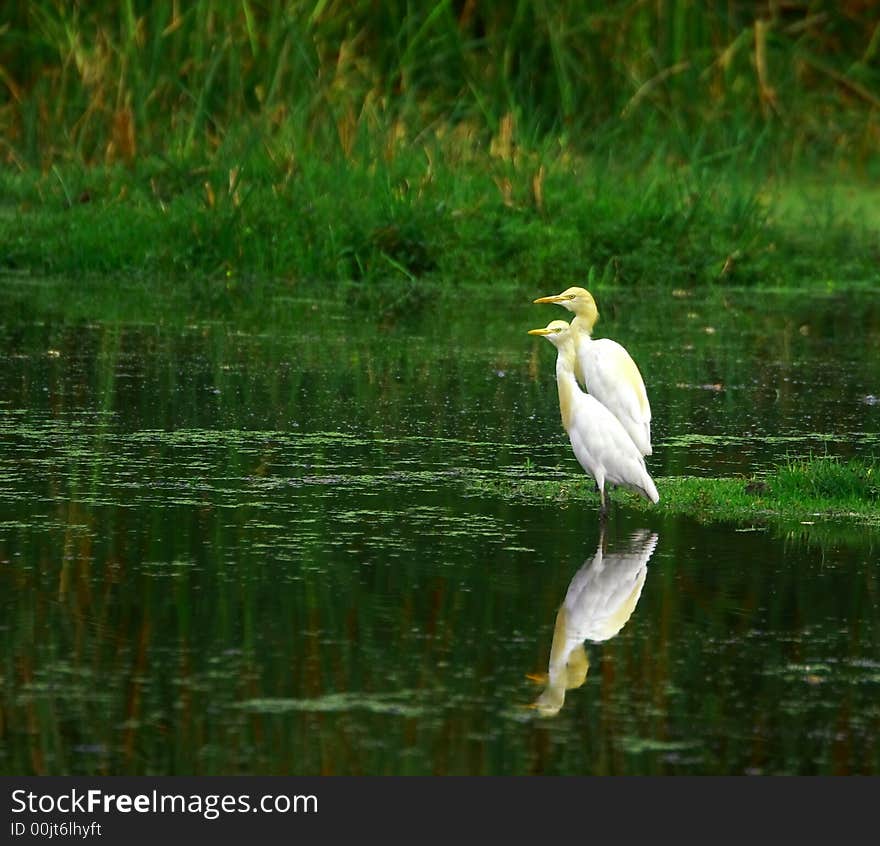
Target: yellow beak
540,331
554,299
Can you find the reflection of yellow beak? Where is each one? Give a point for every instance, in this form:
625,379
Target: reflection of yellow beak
550,702
540,331
554,299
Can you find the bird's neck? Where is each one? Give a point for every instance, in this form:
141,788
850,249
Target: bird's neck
566,385
584,324
582,327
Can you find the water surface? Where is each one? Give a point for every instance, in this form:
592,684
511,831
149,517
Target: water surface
228,547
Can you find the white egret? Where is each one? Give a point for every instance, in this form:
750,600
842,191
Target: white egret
600,600
600,443
606,369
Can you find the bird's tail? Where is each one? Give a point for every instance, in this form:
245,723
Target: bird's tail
649,489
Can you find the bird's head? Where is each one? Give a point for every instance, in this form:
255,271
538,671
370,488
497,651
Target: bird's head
572,676
578,300
558,332
550,702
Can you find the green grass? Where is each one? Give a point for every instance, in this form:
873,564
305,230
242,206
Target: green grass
803,492
398,146
106,81
429,215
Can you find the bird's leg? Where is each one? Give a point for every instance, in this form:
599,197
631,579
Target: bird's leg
603,507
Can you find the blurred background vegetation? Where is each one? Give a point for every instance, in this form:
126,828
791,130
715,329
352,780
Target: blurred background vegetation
422,118
112,81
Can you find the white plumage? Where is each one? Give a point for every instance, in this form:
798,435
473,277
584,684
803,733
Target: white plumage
600,443
606,369
600,600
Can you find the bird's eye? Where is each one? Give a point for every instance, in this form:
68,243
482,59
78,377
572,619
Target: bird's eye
571,296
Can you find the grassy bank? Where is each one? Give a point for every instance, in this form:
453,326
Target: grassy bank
803,492
443,211
380,144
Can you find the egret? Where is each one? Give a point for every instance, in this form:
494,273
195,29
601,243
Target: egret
600,600
600,443
606,369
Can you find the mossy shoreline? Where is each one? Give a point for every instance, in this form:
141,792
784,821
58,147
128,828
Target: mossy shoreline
804,492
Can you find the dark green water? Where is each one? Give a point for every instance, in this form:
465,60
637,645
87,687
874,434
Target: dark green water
230,547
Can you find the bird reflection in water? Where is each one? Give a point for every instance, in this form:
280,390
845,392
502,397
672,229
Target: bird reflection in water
600,599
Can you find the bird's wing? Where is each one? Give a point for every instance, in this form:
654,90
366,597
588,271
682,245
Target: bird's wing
598,438
613,378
